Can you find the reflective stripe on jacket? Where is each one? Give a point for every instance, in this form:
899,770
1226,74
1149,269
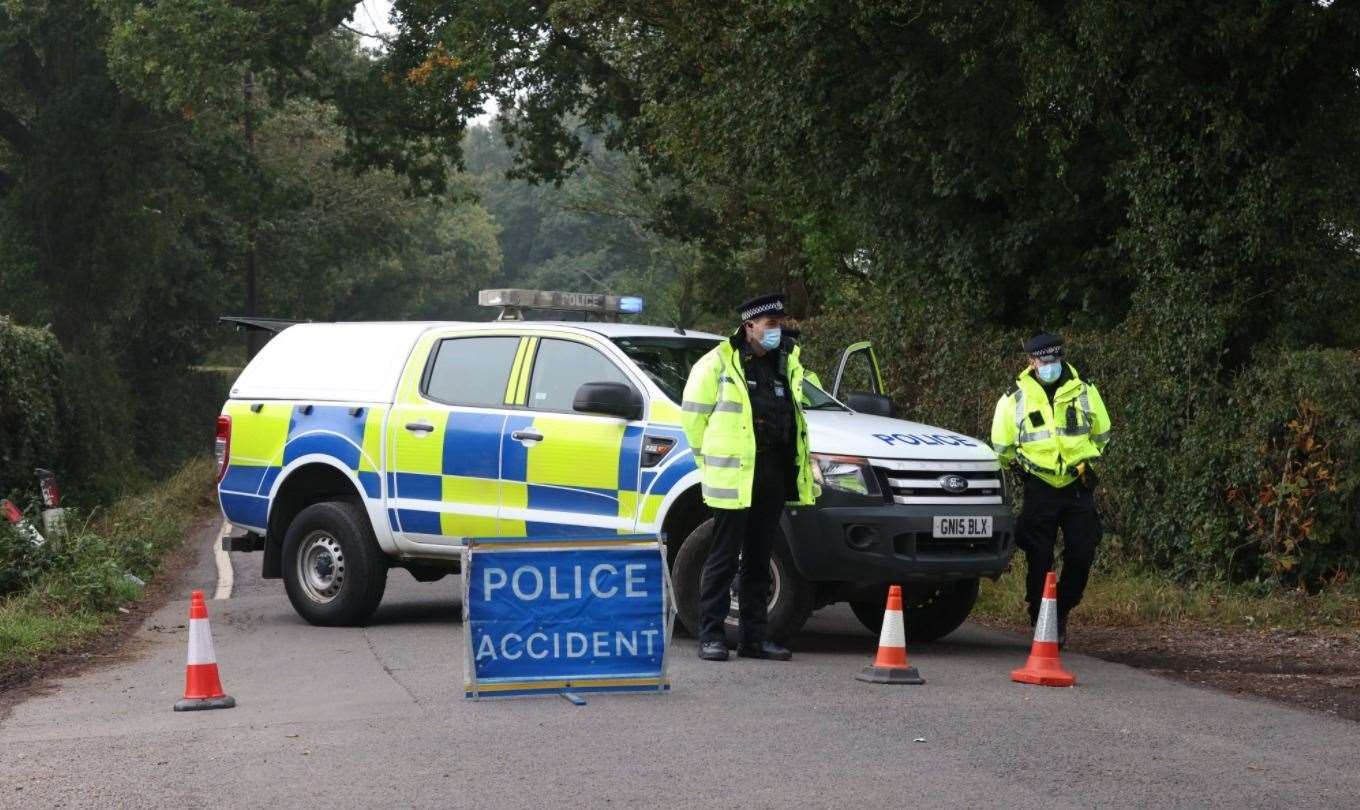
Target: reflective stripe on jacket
1050,439
716,414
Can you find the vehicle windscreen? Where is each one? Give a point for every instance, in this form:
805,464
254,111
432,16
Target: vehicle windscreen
667,360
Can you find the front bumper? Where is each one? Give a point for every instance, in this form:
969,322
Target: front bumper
839,540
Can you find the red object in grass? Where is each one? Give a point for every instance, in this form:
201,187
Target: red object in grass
12,513
47,484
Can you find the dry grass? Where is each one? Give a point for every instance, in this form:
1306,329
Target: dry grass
1119,594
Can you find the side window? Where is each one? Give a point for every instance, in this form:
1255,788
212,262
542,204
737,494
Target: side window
561,367
472,371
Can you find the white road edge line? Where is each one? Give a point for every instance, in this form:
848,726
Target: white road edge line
224,573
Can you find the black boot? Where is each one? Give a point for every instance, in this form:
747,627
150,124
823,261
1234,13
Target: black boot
713,650
765,649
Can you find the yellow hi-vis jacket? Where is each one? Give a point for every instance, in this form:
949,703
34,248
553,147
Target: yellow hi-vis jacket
1050,440
716,414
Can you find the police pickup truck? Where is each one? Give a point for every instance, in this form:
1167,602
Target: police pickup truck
347,449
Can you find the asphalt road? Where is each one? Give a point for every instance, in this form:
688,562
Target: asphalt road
375,716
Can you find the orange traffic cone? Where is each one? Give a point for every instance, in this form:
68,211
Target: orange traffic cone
1043,667
202,687
891,664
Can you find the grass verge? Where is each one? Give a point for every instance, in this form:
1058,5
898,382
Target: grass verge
67,592
1120,594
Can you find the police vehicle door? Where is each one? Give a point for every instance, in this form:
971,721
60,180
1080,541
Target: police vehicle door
444,437
859,381
563,472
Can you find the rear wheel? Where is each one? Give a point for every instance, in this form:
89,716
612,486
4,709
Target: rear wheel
790,600
928,618
333,570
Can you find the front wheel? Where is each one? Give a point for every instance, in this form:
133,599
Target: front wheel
790,600
333,570
928,618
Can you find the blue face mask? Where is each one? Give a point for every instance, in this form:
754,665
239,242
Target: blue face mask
1049,372
770,340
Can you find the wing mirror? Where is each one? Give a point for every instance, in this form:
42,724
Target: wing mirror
874,404
608,399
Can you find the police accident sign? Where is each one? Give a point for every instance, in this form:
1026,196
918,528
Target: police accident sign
565,615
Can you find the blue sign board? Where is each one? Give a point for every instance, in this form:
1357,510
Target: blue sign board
565,615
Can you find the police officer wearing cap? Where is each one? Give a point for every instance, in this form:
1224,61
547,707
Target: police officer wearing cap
742,414
1052,427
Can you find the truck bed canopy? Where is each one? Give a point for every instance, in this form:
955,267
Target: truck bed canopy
336,362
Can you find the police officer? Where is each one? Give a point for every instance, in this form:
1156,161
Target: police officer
743,417
1053,426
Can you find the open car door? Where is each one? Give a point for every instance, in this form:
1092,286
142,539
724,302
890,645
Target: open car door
859,381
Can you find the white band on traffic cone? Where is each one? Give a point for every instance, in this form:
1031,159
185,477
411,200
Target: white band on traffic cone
200,643
894,632
1046,628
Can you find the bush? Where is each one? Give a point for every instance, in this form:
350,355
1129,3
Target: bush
179,422
30,403
21,563
100,460
1287,476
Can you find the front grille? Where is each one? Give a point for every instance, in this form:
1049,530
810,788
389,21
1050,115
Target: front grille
924,482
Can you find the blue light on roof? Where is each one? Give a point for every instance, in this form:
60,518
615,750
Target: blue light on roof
630,305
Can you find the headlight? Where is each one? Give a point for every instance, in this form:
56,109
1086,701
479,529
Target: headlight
845,473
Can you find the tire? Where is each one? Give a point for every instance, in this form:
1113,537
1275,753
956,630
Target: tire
333,570
929,618
790,602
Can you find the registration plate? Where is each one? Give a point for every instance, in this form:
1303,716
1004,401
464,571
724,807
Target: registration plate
976,526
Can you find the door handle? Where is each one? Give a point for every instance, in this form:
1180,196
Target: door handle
420,427
526,436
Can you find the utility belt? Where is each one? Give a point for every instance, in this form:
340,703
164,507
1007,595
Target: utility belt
1080,473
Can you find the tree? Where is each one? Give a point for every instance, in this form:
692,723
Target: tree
1048,160
346,246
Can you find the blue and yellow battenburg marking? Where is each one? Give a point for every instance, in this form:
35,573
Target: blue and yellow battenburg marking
468,476
267,438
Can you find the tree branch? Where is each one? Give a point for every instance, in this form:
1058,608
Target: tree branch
384,40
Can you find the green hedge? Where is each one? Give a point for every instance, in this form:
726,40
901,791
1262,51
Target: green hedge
31,404
1242,475
105,432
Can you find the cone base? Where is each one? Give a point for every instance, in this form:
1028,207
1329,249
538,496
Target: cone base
904,675
198,704
1043,677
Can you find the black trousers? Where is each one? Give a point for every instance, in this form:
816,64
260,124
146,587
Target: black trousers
1046,510
749,534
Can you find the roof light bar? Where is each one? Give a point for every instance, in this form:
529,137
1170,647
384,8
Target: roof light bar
513,302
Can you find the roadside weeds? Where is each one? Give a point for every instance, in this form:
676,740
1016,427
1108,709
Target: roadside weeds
75,592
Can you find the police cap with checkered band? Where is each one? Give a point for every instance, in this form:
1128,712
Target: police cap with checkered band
1045,347
770,304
